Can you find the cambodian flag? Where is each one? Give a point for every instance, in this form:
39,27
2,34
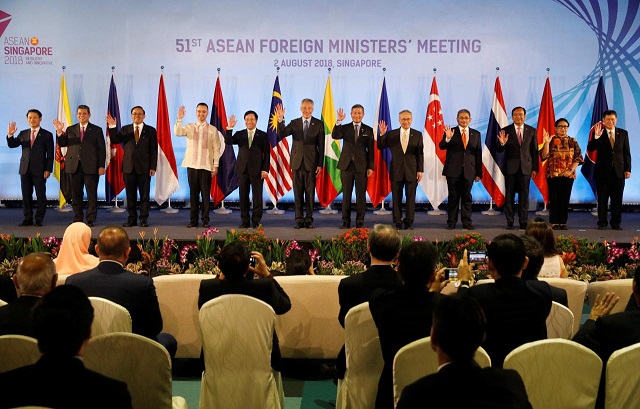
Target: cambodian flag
599,106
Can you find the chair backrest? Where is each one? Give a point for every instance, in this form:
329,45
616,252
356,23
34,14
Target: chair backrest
237,334
109,317
17,351
143,364
576,291
559,322
178,299
622,288
417,359
364,360
623,378
557,373
2,302
310,329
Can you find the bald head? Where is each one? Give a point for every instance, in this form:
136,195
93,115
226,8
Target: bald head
113,244
36,275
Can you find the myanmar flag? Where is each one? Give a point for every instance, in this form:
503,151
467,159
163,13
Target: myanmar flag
328,185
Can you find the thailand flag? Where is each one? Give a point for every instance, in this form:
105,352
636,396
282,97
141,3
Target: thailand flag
492,160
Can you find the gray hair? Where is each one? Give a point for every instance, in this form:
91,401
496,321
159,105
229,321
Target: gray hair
35,274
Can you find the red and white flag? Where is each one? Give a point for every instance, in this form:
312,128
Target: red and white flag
433,183
167,170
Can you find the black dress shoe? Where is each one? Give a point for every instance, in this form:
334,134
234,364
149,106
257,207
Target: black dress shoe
25,223
398,226
38,224
244,226
563,227
359,225
344,226
602,227
129,224
408,226
91,224
557,227
299,226
468,227
510,226
256,225
616,227
309,225
192,224
451,226
205,225
143,223
523,226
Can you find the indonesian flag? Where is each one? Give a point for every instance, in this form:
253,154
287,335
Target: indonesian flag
492,160
167,170
546,121
433,183
328,185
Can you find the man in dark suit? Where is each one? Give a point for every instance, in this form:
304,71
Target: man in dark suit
85,160
252,165
7,289
237,278
520,143
535,254
36,165
462,167
613,166
59,379
458,329
407,165
36,276
140,143
516,310
134,292
307,156
404,315
355,163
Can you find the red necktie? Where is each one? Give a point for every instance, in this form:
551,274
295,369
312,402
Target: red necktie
136,134
33,136
81,133
464,138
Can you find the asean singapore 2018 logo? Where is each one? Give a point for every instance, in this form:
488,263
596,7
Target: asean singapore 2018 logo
23,50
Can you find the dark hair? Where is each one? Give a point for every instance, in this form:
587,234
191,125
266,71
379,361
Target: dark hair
298,263
358,106
249,113
234,260
85,107
384,242
516,108
138,106
561,120
533,250
35,111
609,112
540,230
459,326
417,263
463,111
507,254
62,321
203,104
113,241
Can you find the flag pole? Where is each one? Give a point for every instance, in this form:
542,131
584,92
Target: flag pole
168,209
435,211
544,211
328,209
275,209
382,211
66,208
491,211
115,208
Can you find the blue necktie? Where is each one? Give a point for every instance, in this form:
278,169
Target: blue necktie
305,129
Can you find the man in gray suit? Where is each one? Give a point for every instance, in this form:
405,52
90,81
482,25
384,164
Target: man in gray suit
85,160
307,154
520,143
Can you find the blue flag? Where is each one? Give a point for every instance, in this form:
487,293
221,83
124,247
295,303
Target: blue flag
114,182
599,106
226,179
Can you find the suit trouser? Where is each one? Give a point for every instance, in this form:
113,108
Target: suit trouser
199,185
517,183
27,183
256,183
459,190
80,182
559,195
610,187
304,186
348,178
135,182
410,193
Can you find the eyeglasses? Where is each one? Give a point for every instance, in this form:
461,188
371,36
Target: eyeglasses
562,126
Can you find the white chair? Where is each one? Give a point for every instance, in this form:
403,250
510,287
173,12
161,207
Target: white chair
143,364
416,360
364,360
237,334
17,351
557,373
109,317
2,302
559,322
623,378
622,288
576,291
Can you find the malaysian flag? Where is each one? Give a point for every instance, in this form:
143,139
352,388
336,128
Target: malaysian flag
433,183
492,160
279,181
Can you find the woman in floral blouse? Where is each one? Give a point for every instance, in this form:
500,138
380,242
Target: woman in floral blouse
563,156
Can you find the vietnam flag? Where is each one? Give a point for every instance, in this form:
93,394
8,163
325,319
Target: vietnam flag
328,185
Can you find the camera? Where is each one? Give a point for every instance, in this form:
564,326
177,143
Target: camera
451,274
477,257
252,261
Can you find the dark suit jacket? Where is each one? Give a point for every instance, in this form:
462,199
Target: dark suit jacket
459,385
15,317
61,382
358,288
251,161
90,152
617,159
520,158
402,316
404,166
558,295
7,289
134,292
358,149
307,152
35,159
469,159
516,313
138,158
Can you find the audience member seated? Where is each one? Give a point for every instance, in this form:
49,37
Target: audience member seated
134,292
7,289
534,252
74,254
59,379
516,310
36,276
404,315
553,265
383,246
458,329
237,278
299,263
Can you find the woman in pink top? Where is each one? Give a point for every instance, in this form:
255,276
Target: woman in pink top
74,254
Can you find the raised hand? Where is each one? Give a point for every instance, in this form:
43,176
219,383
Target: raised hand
111,121
448,131
280,111
182,111
602,308
232,121
546,136
597,129
503,137
12,128
383,127
58,125
341,115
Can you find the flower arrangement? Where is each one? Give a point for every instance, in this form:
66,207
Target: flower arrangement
461,242
353,244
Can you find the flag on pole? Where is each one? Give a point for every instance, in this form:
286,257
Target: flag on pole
279,181
599,106
226,181
167,170
329,185
379,184
433,183
64,116
492,160
114,182
546,122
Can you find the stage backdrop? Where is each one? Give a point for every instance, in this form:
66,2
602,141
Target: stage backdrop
247,39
